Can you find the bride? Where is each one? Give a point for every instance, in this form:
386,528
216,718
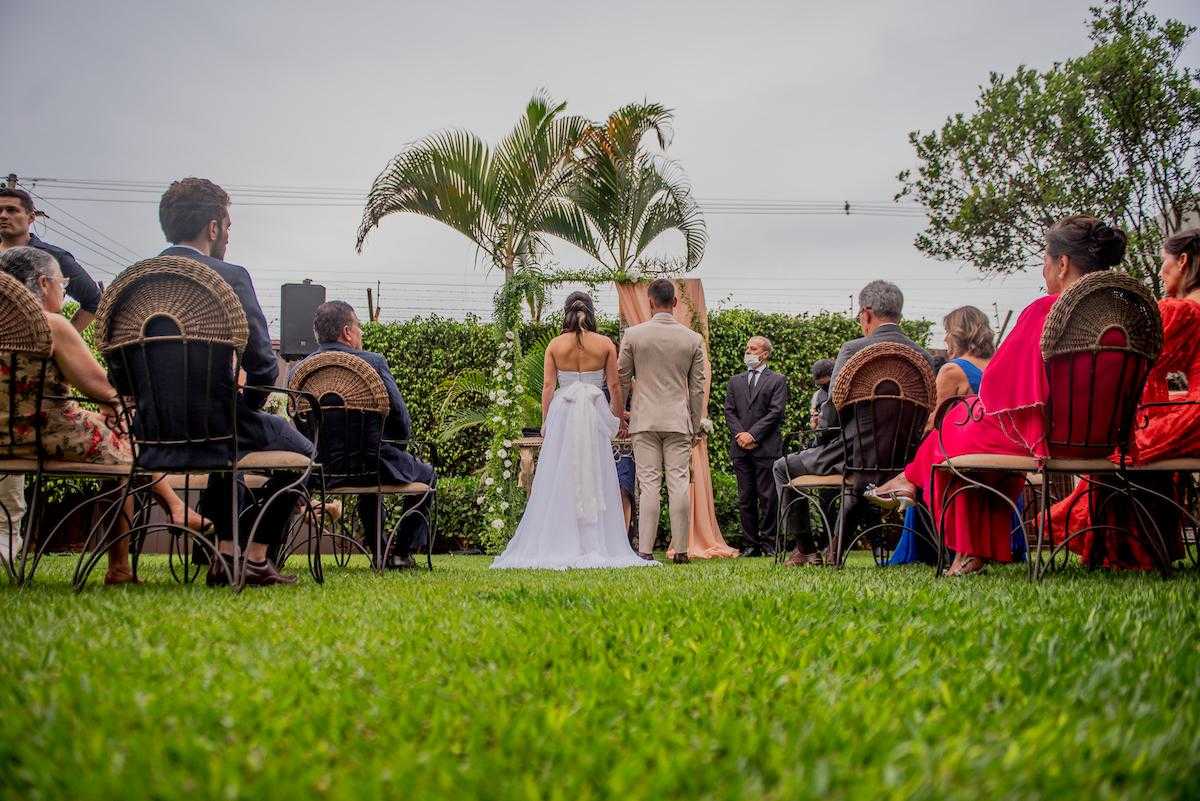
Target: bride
574,516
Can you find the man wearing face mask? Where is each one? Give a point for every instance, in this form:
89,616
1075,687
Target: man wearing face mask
754,404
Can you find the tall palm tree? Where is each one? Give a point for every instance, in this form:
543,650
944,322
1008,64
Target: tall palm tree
624,197
496,198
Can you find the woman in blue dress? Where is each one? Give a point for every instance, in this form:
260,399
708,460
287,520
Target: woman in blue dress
970,344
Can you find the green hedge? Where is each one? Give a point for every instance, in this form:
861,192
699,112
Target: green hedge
425,351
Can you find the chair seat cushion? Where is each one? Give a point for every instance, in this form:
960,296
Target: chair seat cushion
800,482
416,488
199,481
1183,465
1025,464
274,460
64,467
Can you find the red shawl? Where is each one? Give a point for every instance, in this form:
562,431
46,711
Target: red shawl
1015,388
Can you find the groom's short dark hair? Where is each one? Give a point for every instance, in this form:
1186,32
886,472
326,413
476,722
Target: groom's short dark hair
661,292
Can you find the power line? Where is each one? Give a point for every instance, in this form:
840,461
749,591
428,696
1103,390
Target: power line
96,230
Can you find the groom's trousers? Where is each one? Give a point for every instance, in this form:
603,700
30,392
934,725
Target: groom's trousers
656,453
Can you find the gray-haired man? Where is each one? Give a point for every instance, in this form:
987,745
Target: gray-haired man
880,308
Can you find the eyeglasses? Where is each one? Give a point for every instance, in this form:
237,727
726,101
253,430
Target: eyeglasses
61,280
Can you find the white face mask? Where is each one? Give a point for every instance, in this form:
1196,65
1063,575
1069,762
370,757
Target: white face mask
752,362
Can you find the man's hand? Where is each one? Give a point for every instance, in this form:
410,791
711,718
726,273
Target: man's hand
745,441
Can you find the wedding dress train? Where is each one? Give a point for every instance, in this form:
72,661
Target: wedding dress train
574,518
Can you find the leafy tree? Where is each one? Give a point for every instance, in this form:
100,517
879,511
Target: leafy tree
1115,133
625,197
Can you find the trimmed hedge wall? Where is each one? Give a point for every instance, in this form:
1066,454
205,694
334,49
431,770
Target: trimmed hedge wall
425,351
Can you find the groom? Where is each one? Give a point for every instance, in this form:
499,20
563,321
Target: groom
664,360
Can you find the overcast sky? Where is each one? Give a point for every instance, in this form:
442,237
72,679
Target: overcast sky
786,101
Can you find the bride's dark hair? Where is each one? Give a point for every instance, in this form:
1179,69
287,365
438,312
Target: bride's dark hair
579,315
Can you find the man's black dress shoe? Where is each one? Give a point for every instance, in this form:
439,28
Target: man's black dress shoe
680,558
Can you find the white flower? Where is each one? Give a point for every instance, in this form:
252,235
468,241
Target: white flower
508,462
497,523
509,335
508,375
707,425
479,500
502,453
489,481
496,419
506,474
504,504
507,444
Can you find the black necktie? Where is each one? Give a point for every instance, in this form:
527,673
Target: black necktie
753,381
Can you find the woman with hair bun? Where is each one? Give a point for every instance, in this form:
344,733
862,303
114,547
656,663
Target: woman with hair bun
574,515
1013,395
1171,431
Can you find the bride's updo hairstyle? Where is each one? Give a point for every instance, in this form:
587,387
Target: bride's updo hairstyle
579,315
1089,243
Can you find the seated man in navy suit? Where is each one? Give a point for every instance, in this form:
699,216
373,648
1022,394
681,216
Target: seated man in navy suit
194,214
338,329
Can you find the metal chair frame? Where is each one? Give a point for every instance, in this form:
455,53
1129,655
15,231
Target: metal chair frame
351,467
888,416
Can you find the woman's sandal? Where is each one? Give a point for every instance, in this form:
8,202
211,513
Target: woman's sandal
969,566
889,500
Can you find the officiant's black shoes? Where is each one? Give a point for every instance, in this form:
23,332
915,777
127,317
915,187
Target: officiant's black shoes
680,558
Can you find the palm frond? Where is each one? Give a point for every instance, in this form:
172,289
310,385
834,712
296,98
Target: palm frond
461,421
464,384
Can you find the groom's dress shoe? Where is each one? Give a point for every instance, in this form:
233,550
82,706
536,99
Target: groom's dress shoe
680,558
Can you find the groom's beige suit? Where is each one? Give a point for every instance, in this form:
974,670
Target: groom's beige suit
664,361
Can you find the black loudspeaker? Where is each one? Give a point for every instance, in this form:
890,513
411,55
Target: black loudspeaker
297,305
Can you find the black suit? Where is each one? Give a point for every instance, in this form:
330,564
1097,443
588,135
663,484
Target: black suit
758,410
396,464
256,430
828,456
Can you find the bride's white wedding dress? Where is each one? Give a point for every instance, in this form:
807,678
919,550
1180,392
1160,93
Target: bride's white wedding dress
574,517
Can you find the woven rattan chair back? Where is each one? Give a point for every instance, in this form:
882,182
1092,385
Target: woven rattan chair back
883,394
1099,342
202,306
25,350
172,331
354,408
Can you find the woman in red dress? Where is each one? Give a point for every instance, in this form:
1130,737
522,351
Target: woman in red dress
1171,431
1008,417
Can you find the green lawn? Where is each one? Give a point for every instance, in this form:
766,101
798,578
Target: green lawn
733,679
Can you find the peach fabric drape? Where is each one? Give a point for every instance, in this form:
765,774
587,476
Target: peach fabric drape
704,539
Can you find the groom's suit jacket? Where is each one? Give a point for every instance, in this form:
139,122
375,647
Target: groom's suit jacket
666,359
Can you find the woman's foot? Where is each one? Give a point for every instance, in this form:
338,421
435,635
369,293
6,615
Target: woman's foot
888,496
188,517
966,565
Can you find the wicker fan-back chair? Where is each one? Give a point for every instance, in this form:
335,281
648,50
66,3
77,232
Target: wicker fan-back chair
1096,304
192,295
23,326
354,407
885,370
354,382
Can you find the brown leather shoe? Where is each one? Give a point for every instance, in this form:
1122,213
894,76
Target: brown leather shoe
121,576
264,574
815,559
218,572
796,558
680,559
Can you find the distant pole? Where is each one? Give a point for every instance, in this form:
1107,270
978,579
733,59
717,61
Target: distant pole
370,305
378,302
1004,327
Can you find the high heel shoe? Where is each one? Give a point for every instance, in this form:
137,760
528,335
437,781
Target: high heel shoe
889,500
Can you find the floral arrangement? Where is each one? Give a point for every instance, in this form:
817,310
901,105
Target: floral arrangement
498,490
